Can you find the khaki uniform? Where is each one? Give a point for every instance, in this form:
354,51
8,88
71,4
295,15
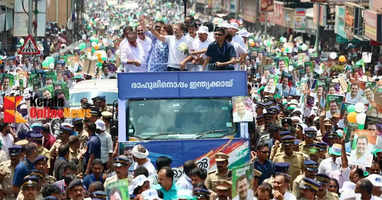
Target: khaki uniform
213,179
55,146
20,196
269,180
45,152
7,172
84,136
296,185
275,151
296,163
329,196
304,148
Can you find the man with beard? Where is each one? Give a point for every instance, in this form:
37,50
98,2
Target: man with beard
222,172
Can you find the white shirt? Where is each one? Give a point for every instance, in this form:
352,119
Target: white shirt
129,52
198,45
342,175
7,141
175,56
106,146
184,183
327,166
358,197
191,39
250,195
239,51
146,44
289,196
238,39
149,166
356,99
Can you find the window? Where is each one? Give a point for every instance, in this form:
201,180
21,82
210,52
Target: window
163,119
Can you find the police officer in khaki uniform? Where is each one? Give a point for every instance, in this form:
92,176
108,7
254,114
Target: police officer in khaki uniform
309,188
310,170
323,192
40,164
223,190
277,148
30,189
63,138
222,172
296,160
7,171
309,135
323,150
36,137
100,103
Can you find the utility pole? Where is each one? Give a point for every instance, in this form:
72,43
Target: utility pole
317,45
35,14
30,16
185,9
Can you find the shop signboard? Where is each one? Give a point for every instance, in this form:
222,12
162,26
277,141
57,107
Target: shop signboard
278,13
248,14
376,5
373,26
289,17
339,27
323,14
300,25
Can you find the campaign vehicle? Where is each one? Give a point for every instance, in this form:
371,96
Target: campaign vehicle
93,88
183,115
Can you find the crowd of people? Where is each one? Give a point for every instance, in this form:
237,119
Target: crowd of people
315,132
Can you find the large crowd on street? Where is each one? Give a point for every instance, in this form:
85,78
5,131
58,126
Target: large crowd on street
315,131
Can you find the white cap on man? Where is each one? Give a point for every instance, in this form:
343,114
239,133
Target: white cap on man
203,29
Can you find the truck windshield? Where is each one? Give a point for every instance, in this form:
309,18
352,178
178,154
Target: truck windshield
163,119
75,98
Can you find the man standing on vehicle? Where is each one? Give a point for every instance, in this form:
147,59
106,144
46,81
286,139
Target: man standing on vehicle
221,55
222,172
132,52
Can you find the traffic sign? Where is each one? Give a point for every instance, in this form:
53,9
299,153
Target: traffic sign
29,47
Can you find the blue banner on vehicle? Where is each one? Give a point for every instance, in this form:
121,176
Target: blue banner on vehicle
202,151
182,84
